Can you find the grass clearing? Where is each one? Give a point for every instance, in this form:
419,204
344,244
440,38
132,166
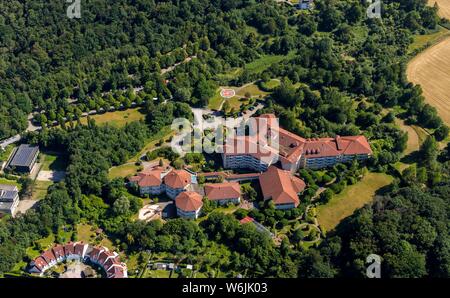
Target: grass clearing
413,137
86,233
237,101
264,62
422,41
40,189
123,170
165,133
117,118
10,182
4,154
52,161
351,199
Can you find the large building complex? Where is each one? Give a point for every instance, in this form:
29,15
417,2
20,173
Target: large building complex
292,151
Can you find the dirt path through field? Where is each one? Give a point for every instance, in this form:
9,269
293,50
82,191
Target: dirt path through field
413,138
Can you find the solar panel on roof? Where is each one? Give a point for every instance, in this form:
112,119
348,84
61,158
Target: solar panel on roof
24,155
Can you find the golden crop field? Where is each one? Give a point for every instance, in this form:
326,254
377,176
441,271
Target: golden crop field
444,7
431,70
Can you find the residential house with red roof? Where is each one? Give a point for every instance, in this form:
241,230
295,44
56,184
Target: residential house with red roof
159,180
281,187
58,252
101,256
150,181
224,193
177,181
189,204
38,265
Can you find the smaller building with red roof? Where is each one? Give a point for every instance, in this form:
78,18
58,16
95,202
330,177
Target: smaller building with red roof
150,181
177,181
189,204
281,187
224,193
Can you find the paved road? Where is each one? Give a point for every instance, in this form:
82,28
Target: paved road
10,141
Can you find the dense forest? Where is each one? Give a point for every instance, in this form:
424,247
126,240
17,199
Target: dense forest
345,76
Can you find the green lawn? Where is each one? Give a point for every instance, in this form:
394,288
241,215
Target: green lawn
215,101
273,83
422,41
351,199
164,134
261,64
9,182
237,101
123,170
52,161
86,233
4,154
40,189
117,118
157,274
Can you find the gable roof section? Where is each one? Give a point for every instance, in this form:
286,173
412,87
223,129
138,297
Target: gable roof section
189,201
177,179
39,263
48,256
291,146
148,178
323,147
280,186
220,191
58,251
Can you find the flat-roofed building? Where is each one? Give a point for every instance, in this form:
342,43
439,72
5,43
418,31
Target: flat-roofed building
9,199
23,158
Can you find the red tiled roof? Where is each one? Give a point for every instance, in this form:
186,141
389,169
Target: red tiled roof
291,147
79,247
40,263
189,201
69,249
148,178
280,186
246,219
299,184
116,272
48,256
103,256
110,262
177,179
220,191
58,251
94,253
